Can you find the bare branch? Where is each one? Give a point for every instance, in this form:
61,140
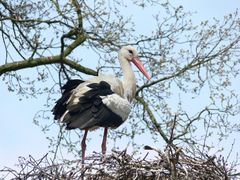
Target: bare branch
152,118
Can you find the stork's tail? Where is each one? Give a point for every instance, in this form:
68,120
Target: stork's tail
61,106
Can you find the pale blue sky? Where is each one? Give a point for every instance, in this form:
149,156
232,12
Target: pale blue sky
20,137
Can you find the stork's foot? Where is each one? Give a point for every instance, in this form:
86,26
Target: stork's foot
104,158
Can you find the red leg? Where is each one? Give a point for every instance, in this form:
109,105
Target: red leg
104,141
83,145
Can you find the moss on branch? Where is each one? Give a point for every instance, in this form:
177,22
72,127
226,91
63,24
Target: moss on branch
18,65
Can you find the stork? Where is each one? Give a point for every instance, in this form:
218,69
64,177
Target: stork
102,101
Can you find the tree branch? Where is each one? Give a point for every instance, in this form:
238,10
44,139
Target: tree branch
79,40
44,61
152,118
195,63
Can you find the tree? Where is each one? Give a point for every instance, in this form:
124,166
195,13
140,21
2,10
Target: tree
187,62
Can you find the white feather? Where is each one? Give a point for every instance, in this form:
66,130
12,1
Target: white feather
117,105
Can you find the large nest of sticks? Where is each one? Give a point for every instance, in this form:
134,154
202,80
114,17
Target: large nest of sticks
171,163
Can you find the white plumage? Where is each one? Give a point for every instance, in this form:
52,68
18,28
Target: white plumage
117,105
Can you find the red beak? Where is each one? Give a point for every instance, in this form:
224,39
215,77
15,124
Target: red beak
140,66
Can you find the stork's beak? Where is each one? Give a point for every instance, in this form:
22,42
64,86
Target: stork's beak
140,66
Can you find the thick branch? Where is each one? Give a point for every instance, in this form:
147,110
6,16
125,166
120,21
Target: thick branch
44,61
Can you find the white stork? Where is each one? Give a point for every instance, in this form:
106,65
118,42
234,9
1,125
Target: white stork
102,101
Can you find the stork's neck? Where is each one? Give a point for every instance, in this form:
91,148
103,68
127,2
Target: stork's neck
129,80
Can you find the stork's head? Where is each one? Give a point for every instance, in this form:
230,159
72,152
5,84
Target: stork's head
129,53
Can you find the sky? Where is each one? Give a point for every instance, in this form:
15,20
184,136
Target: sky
20,137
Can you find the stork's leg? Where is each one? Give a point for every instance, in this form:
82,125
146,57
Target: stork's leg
83,145
104,141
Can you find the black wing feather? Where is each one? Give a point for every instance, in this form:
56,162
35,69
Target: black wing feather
91,111
61,106
71,84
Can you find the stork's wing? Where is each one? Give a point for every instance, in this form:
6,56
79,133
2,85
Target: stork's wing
94,105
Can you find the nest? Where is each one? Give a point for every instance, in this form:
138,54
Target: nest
172,163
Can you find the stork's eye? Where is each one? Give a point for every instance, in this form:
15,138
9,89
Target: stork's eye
130,51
